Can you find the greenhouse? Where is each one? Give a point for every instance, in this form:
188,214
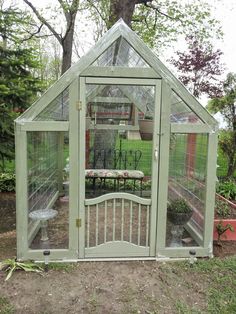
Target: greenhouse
117,160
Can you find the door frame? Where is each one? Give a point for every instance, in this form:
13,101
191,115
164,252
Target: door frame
81,126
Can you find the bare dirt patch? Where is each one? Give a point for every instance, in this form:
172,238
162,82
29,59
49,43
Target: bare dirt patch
102,287
105,287
227,248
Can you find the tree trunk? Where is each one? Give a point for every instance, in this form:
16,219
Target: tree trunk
67,41
121,9
231,167
67,44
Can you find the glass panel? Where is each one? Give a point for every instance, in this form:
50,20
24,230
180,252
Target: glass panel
120,53
119,139
48,203
111,104
187,181
57,110
180,111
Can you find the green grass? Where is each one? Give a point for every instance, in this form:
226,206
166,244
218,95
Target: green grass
66,267
182,308
9,166
66,153
178,154
222,163
5,306
146,149
177,159
221,295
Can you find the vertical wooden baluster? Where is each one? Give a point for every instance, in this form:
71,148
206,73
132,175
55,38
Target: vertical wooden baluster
139,222
130,221
147,225
88,224
114,220
96,224
105,223
122,220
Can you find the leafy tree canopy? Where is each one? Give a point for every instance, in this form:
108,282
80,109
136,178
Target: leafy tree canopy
226,105
200,68
18,61
18,83
159,22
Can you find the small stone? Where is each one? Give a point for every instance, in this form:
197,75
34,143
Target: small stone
187,240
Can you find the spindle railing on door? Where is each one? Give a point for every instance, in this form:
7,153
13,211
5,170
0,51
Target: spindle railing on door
117,217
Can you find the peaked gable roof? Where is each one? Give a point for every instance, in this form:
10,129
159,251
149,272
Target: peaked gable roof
119,29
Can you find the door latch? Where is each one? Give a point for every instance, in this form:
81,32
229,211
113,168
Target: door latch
156,153
78,222
79,105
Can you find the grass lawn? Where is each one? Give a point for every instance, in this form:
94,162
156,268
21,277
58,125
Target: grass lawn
146,149
177,159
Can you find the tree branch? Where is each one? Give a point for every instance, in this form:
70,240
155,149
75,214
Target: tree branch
98,12
43,21
33,34
70,13
152,6
62,3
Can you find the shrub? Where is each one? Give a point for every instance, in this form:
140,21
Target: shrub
179,206
7,182
227,189
222,209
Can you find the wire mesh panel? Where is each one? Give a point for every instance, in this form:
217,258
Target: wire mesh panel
57,110
48,212
42,168
118,149
181,112
120,53
187,182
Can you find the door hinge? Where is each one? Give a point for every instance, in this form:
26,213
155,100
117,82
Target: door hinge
79,105
78,222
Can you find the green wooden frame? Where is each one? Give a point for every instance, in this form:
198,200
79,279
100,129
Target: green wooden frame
75,79
153,217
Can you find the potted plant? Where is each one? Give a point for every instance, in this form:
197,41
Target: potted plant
146,128
179,212
225,211
146,125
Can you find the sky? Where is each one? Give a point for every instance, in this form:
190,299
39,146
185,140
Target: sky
226,13
223,10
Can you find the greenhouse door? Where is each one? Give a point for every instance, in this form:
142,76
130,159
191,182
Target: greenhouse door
120,160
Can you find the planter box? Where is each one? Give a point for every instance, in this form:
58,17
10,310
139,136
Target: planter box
146,129
228,235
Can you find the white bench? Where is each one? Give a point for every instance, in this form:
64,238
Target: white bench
115,174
